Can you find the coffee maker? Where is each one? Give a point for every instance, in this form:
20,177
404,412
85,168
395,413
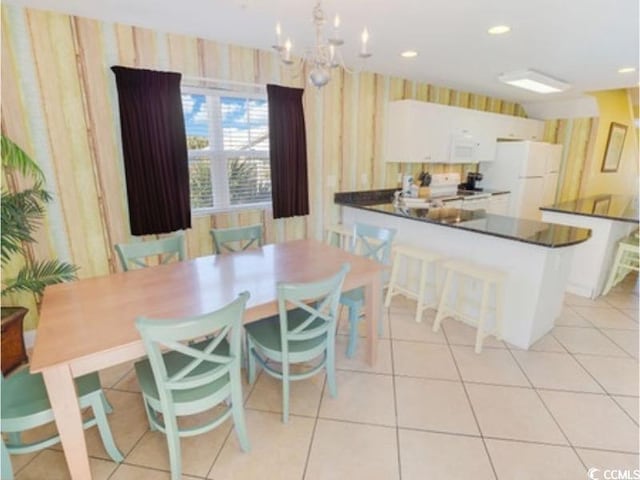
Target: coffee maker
471,184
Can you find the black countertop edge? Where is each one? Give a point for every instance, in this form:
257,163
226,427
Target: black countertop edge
591,215
609,206
365,197
568,231
375,197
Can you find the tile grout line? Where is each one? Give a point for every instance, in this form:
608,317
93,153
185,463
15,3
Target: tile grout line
231,430
606,392
473,412
546,407
395,396
315,426
599,329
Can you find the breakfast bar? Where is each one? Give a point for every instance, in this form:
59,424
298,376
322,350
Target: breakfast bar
610,218
536,256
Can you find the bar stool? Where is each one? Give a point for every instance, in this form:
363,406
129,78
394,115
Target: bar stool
627,259
466,271
407,256
340,233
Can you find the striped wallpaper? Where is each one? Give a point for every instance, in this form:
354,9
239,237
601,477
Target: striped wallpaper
59,103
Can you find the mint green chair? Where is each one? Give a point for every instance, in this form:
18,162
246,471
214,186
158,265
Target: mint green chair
236,239
303,330
193,365
134,254
371,242
25,405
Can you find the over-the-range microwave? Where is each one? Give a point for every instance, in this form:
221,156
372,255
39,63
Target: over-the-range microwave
464,148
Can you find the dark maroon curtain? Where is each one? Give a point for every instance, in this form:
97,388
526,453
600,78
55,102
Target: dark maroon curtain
288,152
154,147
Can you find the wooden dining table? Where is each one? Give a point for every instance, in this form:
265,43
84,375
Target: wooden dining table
88,325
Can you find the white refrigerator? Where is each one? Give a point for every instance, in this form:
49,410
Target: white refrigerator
529,170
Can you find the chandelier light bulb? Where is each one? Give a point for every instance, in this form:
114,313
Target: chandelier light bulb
365,38
287,51
278,45
325,54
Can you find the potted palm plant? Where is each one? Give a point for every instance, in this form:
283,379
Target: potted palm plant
21,211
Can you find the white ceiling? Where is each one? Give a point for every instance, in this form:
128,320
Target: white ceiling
582,42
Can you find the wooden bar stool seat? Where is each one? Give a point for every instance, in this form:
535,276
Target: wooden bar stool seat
461,273
408,259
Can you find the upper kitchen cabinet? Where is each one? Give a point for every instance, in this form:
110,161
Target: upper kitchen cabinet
415,133
423,132
518,128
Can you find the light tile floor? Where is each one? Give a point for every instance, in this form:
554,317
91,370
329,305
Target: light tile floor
429,409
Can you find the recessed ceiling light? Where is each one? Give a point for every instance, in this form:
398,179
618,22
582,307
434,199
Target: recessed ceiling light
626,70
409,54
534,81
499,29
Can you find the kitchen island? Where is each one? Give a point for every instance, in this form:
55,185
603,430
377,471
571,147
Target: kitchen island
536,256
610,218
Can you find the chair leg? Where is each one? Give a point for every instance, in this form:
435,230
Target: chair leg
392,280
354,315
173,444
15,438
5,461
443,301
251,362
330,366
483,315
237,411
285,391
99,412
105,403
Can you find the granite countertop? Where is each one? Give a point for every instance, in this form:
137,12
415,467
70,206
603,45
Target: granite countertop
528,231
614,207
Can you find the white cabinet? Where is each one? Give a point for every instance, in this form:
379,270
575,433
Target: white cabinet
423,132
470,203
499,204
518,128
416,134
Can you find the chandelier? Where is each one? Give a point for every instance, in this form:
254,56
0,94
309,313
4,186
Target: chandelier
325,54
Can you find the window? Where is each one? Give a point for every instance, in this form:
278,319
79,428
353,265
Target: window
228,142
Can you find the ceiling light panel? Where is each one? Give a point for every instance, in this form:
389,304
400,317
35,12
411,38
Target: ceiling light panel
534,81
409,54
499,30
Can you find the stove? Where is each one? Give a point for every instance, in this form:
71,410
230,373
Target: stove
444,185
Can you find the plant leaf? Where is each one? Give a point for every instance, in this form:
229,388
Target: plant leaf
34,278
20,214
13,157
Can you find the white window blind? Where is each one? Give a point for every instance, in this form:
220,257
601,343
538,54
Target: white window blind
228,142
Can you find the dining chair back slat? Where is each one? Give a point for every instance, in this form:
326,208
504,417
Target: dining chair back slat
193,366
303,331
136,254
371,242
236,239
25,406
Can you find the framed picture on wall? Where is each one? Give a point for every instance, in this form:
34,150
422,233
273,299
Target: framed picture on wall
613,152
